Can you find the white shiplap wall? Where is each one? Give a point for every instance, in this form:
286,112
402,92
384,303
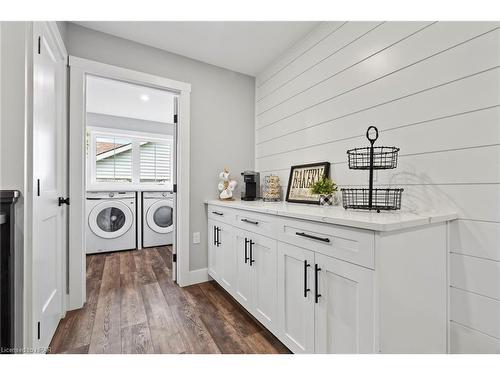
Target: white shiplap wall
432,89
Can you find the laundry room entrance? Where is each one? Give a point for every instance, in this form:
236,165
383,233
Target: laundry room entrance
127,197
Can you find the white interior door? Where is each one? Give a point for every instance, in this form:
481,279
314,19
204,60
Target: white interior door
174,174
48,185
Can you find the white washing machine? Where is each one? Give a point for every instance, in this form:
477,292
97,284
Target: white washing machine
157,218
111,221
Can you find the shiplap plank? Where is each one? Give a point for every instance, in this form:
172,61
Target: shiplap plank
469,94
323,30
476,238
481,276
334,43
397,43
466,59
464,340
475,311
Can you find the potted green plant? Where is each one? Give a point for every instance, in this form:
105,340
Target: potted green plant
326,189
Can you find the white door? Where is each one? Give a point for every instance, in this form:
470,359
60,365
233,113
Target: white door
243,282
344,311
212,249
263,259
296,297
226,257
48,185
174,174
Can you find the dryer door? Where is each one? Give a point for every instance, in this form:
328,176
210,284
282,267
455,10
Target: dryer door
110,219
160,216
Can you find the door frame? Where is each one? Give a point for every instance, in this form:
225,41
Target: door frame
79,69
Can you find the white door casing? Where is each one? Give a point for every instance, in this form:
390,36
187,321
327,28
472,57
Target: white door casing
48,184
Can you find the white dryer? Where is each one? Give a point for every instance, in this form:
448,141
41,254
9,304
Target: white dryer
111,221
158,218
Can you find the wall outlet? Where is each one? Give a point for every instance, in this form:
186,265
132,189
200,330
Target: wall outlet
196,237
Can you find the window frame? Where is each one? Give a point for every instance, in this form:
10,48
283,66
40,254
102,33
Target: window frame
136,138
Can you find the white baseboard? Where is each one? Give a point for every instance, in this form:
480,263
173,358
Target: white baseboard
199,276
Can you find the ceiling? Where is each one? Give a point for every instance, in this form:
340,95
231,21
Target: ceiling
116,98
245,47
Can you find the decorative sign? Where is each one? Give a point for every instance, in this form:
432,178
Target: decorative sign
300,181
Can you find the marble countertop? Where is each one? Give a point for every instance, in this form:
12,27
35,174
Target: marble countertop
383,221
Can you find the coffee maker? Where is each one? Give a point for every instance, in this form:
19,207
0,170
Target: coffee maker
251,186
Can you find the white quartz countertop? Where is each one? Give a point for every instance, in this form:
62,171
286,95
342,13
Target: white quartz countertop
383,221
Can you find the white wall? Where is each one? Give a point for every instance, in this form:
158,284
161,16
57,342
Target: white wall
432,89
222,114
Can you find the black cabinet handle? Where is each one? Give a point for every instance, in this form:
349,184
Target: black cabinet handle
251,252
217,213
246,250
316,294
302,234
250,221
306,289
215,235
218,237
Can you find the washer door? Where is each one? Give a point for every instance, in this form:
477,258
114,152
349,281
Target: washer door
110,219
160,216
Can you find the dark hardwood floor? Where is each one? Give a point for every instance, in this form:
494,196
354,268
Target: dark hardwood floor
133,306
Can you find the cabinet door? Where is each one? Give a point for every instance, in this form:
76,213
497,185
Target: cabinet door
226,257
295,297
263,264
242,284
212,249
344,313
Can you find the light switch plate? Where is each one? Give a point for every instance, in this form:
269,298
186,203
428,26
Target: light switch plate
196,237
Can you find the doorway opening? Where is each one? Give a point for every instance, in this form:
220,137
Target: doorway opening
129,169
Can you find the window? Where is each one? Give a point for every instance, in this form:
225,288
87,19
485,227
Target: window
113,159
156,162
129,158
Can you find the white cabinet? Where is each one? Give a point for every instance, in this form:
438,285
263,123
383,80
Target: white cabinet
343,312
295,297
256,282
326,288
221,254
325,304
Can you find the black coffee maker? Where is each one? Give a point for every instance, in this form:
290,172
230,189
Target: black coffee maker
251,186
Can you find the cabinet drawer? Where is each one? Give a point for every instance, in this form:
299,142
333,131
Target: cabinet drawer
349,244
256,222
223,214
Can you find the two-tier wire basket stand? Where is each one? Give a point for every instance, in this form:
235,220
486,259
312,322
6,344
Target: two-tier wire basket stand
372,158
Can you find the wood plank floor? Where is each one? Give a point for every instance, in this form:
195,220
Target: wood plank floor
133,306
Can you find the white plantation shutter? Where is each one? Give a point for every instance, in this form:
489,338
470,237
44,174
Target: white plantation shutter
115,167
156,162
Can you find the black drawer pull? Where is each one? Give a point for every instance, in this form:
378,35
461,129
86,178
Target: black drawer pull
246,250
306,289
316,294
218,237
250,221
251,252
217,213
302,234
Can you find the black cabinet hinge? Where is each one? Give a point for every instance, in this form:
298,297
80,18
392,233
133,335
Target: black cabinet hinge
175,188
39,44
38,330
174,258
175,119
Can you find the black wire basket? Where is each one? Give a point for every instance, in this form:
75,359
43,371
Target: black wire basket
381,199
371,158
383,158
